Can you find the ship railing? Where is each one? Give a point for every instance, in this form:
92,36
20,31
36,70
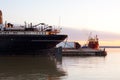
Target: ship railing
26,32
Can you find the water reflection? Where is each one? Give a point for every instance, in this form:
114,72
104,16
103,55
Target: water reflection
29,68
83,62
85,68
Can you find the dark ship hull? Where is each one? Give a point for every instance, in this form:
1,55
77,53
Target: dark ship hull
28,43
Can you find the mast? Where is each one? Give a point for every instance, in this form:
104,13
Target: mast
59,23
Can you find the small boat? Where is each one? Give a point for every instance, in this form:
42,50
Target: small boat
93,43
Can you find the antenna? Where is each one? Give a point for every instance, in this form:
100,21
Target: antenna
90,35
59,22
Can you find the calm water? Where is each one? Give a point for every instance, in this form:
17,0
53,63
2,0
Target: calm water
93,68
70,68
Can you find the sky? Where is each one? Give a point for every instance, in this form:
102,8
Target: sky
89,15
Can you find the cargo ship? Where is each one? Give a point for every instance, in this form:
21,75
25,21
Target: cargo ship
28,37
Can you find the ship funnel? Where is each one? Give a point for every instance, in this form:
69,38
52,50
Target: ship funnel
1,21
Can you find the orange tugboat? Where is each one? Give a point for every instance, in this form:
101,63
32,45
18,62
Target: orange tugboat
93,42
93,46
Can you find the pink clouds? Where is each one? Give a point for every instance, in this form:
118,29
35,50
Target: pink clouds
75,34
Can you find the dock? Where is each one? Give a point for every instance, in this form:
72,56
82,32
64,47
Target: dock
91,48
83,52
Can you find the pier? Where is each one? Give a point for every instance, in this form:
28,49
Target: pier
91,48
81,52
